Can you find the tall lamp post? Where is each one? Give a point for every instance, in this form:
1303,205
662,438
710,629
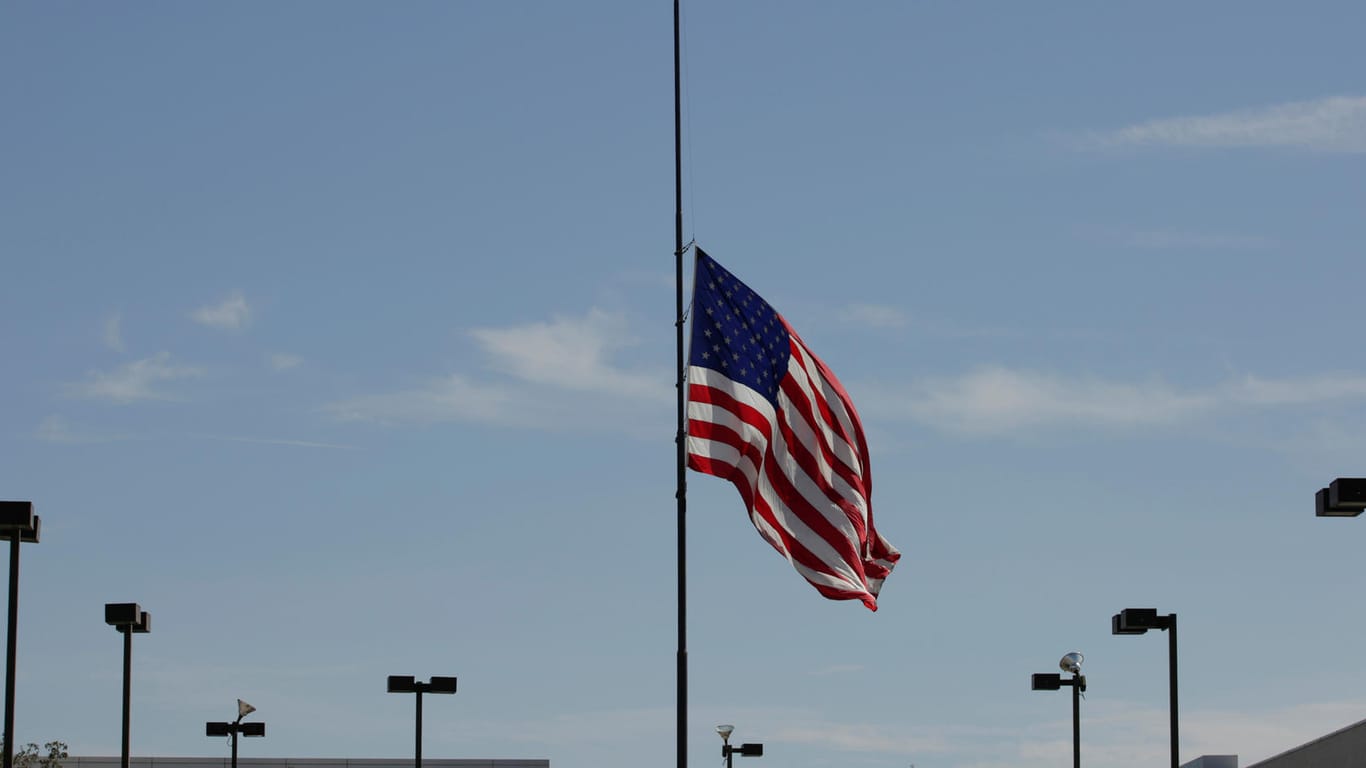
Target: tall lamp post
1137,621
127,618
18,524
236,728
1045,681
744,750
407,684
1344,497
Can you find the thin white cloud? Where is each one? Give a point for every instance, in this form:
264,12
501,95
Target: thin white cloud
454,398
229,314
1303,390
999,400
554,374
134,381
1003,400
1336,124
279,441
113,334
874,316
284,362
571,353
55,429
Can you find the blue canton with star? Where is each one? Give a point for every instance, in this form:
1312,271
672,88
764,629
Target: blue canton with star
735,332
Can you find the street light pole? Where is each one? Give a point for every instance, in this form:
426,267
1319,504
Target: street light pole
1171,689
1137,621
1076,726
127,618
417,744
744,750
19,524
407,684
236,728
1045,681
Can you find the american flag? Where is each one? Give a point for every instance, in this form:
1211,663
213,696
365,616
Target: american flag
766,414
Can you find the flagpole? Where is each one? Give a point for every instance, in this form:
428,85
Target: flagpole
679,437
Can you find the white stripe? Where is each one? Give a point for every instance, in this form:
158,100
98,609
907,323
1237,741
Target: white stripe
715,414
814,386
741,392
804,435
791,522
810,489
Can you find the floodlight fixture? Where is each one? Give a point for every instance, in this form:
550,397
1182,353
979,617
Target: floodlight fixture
441,685
1045,681
1137,621
409,684
1348,493
18,516
1072,662
19,525
127,617
1344,497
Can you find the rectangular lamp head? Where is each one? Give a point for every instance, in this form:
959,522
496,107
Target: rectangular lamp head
1116,629
18,516
402,684
1045,681
441,685
252,729
122,614
750,750
144,623
1347,493
1323,506
217,729
1136,621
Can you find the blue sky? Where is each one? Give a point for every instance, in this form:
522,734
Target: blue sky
339,336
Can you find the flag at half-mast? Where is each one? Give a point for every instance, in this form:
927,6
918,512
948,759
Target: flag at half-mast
767,415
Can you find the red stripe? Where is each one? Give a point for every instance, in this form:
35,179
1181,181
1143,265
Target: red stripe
807,460
813,518
860,444
794,392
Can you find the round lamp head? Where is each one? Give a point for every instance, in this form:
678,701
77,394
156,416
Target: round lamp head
725,731
1072,662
